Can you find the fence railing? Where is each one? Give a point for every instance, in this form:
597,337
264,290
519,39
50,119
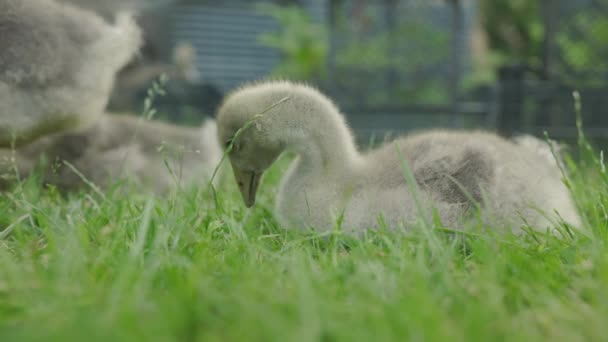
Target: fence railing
518,103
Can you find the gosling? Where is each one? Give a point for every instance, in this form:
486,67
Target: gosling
451,173
156,156
57,66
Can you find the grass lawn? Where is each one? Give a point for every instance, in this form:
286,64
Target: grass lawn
126,267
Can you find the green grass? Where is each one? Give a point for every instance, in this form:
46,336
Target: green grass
117,266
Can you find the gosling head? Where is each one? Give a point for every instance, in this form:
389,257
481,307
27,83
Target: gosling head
247,131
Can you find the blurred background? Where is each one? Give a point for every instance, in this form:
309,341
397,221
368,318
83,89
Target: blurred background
391,65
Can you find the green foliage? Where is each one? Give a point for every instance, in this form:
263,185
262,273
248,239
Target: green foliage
407,47
584,46
514,29
302,43
410,47
515,33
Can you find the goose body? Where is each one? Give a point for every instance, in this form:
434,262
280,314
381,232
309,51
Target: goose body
57,66
330,181
155,155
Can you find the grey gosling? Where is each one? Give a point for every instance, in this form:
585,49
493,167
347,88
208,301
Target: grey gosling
158,157
57,66
454,172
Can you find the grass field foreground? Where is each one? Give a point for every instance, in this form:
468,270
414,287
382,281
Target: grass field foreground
121,266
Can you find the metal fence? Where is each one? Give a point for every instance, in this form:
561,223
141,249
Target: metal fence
574,57
421,76
397,65
400,64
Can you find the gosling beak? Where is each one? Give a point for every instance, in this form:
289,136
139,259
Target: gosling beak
248,182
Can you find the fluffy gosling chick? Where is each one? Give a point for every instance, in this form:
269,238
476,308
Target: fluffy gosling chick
331,181
57,66
157,156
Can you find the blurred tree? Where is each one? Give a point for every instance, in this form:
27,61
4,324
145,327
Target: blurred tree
408,52
514,30
302,42
584,45
413,51
401,56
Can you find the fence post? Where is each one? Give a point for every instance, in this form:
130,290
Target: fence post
549,13
549,113
455,72
331,37
510,98
390,18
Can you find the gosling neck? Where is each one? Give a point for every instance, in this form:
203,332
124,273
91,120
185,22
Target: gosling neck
321,138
